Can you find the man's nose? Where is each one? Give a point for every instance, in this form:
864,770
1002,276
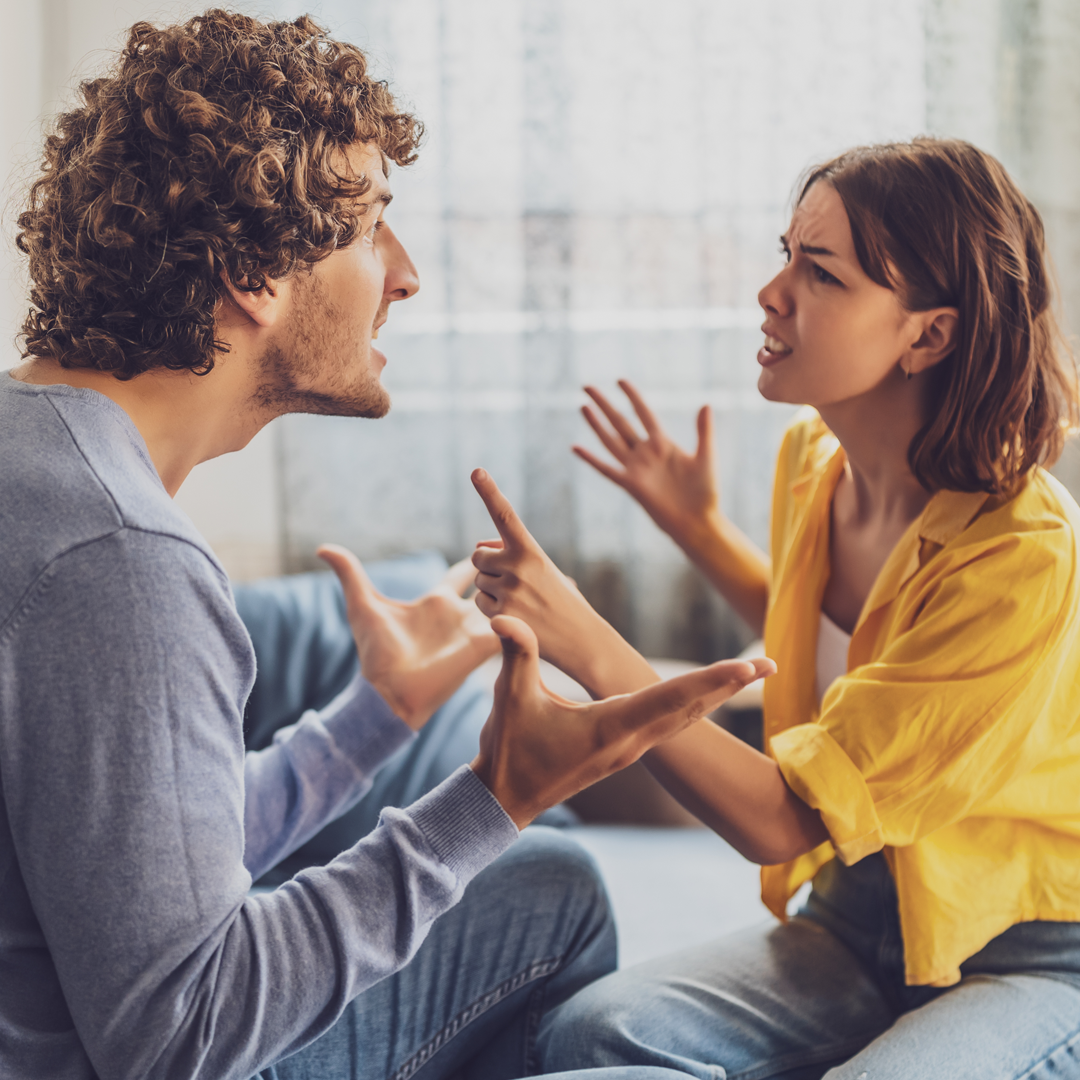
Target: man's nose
402,280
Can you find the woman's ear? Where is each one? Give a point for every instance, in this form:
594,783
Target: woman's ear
940,334
261,306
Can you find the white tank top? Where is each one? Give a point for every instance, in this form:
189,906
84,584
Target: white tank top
832,650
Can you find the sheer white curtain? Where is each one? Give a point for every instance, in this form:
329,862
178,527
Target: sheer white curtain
599,196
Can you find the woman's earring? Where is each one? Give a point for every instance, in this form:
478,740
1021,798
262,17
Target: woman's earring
908,374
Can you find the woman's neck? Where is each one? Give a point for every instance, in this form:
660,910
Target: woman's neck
876,430
877,497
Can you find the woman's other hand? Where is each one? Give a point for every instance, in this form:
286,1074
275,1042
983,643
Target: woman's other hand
678,490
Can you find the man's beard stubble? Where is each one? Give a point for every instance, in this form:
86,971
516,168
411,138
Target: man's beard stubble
309,368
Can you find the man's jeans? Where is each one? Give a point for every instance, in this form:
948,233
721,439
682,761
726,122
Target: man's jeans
824,995
531,930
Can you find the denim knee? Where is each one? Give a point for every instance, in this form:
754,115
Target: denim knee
547,868
593,1029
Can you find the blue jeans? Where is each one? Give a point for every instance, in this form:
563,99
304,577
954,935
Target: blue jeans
824,995
531,930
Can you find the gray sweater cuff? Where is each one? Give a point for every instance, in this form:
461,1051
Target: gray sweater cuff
464,823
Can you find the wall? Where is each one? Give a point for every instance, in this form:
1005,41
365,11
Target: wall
599,196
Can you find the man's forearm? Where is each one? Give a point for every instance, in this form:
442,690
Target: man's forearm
314,771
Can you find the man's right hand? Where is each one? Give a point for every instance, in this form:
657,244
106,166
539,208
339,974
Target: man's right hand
538,749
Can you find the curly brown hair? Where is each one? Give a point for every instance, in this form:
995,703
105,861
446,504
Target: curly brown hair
211,148
941,222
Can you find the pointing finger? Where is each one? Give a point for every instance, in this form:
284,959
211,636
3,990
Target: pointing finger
510,526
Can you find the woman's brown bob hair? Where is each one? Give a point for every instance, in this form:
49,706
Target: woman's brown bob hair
211,149
943,225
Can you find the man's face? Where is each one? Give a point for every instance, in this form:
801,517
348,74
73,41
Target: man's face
322,359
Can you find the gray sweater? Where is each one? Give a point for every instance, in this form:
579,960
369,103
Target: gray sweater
131,821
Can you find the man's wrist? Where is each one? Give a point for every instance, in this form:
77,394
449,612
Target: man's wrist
485,773
406,713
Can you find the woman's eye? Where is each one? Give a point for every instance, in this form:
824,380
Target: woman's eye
373,230
786,252
824,276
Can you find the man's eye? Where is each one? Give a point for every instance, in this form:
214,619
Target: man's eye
786,252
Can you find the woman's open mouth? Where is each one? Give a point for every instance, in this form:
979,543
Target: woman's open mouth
773,349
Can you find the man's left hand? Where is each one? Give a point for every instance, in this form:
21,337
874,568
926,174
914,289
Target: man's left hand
415,653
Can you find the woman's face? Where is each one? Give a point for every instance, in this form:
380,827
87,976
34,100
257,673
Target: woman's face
831,334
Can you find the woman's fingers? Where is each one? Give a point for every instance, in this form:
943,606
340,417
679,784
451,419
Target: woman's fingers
616,418
644,413
488,583
602,467
487,559
616,447
510,526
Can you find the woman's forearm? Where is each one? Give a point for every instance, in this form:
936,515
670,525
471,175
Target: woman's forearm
735,790
736,567
738,792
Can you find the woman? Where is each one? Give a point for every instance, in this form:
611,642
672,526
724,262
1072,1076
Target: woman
922,604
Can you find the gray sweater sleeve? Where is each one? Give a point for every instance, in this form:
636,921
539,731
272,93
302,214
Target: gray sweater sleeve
124,672
314,771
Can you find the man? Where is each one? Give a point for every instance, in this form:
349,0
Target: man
208,250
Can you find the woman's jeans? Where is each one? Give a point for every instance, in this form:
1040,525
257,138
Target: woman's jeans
824,995
530,931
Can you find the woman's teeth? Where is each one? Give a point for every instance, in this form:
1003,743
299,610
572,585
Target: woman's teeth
776,346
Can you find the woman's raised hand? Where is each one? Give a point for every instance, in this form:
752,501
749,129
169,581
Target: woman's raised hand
677,489
516,577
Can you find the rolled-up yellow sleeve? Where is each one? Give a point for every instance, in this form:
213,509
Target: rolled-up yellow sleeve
824,777
975,690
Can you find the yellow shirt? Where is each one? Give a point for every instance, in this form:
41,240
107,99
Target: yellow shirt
953,741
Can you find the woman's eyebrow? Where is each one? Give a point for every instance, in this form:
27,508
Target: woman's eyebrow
809,249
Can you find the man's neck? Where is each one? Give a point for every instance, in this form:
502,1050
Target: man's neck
184,418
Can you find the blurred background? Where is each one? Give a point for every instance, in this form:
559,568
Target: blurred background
600,194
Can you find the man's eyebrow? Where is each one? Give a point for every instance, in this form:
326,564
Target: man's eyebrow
383,197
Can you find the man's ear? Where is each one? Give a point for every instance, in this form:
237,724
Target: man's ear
940,334
262,307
